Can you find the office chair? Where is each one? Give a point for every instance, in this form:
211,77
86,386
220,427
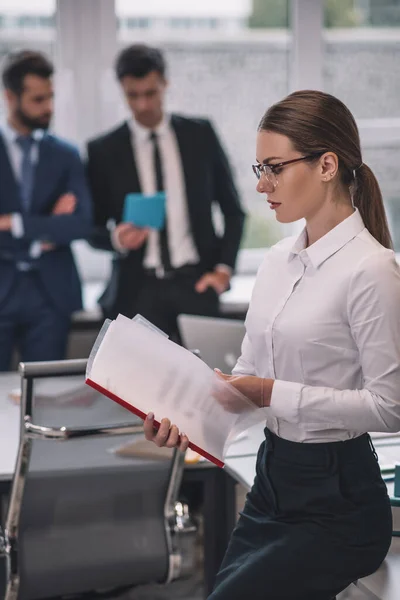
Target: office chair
80,518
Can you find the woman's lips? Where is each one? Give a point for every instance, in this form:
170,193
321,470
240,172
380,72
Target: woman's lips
273,205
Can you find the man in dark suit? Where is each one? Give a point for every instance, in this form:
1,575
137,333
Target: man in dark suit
44,205
186,266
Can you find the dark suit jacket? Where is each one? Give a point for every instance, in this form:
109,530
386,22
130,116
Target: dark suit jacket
59,170
112,174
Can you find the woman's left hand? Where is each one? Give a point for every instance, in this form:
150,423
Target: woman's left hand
256,389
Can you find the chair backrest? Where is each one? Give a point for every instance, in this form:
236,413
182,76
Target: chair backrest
81,517
218,340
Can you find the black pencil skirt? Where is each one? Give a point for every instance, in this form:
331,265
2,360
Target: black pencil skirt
317,518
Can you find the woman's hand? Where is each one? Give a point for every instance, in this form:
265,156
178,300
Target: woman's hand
167,434
256,389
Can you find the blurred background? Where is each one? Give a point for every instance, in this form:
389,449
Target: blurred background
228,60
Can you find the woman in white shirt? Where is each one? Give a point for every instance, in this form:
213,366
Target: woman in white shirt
322,353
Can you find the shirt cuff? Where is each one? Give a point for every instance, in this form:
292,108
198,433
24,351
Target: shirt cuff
17,225
35,250
116,243
285,400
224,269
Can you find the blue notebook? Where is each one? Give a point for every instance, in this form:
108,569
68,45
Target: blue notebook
145,211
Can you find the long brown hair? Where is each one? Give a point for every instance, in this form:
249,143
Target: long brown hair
315,123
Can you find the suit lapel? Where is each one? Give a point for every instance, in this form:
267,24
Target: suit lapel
125,160
187,150
43,173
9,184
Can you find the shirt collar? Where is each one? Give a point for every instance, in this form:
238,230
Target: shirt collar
331,242
12,134
143,133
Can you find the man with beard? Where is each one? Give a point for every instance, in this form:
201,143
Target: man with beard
44,206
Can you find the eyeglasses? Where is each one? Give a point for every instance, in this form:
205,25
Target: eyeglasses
271,172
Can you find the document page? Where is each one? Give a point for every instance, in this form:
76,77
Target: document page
145,371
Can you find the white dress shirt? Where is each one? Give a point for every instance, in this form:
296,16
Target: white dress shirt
15,154
324,323
182,249
181,246
10,136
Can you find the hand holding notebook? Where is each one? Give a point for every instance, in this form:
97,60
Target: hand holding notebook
146,372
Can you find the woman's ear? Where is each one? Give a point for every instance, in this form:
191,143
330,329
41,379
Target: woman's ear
329,163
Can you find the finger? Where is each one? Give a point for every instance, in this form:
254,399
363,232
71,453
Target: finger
128,238
173,437
124,227
202,284
183,446
121,230
218,287
47,246
138,241
148,427
124,235
222,375
67,209
64,207
162,435
135,245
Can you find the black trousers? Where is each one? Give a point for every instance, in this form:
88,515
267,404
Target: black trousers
162,300
317,518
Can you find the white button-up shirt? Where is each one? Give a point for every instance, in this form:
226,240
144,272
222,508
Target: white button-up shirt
10,136
181,246
324,323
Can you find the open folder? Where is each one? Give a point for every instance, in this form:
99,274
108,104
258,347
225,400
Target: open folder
146,372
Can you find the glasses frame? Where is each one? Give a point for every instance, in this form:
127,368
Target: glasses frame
266,169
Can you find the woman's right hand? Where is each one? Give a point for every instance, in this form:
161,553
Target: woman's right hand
167,434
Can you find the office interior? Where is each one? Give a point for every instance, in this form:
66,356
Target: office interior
75,481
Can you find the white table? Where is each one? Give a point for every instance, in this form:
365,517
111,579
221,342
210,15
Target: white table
9,427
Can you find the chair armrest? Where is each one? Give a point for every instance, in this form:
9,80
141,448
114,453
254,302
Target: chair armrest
40,432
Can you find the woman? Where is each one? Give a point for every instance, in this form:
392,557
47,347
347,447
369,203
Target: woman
322,352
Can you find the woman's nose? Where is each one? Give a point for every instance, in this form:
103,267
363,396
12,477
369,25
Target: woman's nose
265,186
261,187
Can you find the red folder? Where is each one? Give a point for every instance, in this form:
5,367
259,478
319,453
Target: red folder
142,415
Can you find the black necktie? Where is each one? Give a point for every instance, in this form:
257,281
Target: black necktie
164,250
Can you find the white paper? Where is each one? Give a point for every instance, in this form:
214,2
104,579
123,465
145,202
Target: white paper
152,373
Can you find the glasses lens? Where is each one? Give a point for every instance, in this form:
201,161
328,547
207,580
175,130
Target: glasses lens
270,177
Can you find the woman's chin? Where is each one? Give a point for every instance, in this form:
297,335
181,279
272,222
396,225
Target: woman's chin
281,217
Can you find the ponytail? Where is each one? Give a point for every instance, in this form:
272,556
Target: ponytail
367,197
315,123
